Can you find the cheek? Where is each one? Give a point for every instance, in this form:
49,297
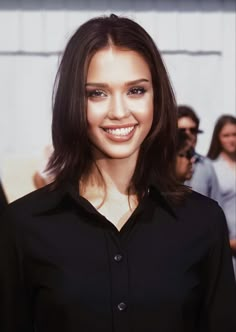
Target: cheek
144,112
224,141
146,118
185,164
141,105
232,139
95,114
179,164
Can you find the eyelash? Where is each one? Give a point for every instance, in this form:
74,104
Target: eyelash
137,90
96,93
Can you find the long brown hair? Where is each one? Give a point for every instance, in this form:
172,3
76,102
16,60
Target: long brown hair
215,146
72,158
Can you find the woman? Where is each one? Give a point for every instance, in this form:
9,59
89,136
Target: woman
185,157
223,152
116,243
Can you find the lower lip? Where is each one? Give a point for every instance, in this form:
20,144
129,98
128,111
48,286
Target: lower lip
120,139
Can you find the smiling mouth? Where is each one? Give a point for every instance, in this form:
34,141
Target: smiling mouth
119,131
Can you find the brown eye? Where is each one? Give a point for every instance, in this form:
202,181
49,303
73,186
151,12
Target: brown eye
136,91
95,93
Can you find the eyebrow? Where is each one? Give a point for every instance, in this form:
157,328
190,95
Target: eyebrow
104,85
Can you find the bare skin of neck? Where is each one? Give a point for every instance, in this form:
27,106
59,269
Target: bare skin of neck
229,158
113,202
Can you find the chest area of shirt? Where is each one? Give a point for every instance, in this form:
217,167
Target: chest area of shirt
149,265
227,179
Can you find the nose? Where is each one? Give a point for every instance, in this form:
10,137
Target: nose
118,107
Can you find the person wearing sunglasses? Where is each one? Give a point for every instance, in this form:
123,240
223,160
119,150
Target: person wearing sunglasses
185,157
204,179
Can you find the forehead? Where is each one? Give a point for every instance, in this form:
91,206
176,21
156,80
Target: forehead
228,128
186,122
112,63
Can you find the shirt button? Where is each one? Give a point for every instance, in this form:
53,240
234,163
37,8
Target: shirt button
122,306
118,258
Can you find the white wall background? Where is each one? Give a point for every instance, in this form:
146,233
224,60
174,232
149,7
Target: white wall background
196,37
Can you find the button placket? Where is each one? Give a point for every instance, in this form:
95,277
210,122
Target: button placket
122,306
118,258
119,283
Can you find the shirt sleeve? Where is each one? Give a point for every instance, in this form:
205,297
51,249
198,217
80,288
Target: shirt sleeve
14,303
220,287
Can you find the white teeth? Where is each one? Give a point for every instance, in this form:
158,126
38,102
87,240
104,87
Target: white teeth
119,131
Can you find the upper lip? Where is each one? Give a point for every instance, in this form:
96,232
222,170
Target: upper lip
114,126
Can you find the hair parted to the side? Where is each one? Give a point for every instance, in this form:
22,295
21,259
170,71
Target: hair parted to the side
72,158
215,146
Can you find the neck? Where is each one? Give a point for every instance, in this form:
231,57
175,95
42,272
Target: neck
229,157
109,176
117,174
106,188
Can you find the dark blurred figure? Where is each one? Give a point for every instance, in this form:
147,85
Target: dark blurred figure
223,153
3,199
185,157
204,178
41,177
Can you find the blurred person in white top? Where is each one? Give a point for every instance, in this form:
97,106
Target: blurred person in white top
223,153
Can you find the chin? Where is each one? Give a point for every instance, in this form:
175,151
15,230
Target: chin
118,156
119,153
231,151
188,176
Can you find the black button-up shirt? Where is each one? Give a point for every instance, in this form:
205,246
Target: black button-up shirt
65,268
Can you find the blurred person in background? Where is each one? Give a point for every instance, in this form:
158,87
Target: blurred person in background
41,176
223,153
185,157
204,179
3,199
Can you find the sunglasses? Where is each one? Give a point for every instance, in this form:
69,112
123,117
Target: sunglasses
189,154
192,130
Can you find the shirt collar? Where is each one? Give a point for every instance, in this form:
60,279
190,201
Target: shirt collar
162,199
51,197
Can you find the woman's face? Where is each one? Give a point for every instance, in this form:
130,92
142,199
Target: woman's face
119,103
227,138
184,164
